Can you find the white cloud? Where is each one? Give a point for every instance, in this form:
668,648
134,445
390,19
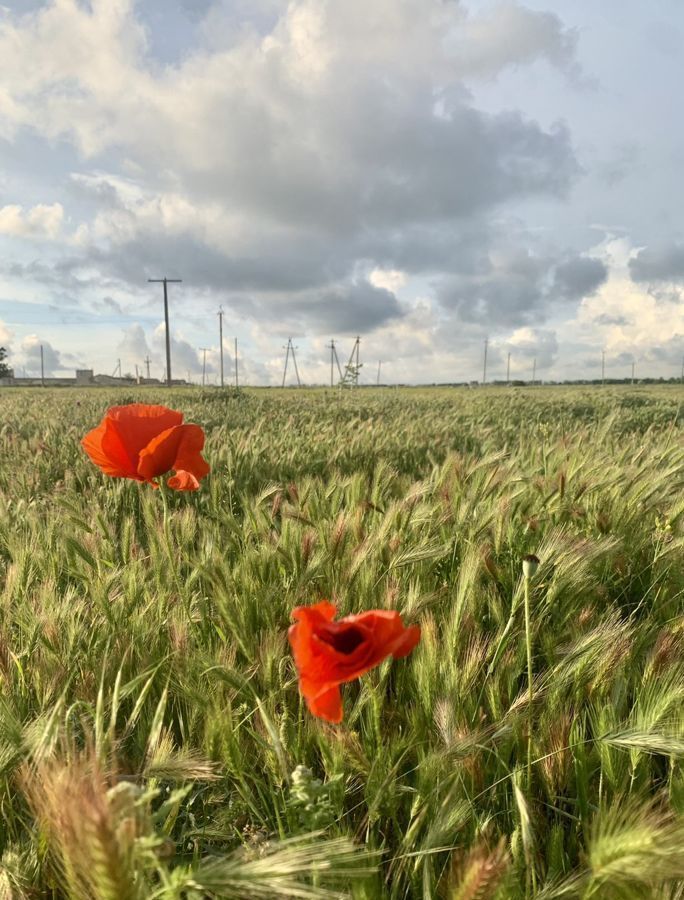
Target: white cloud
6,336
30,349
310,105
508,34
532,344
40,221
630,319
389,279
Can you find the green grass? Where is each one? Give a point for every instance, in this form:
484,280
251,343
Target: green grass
150,722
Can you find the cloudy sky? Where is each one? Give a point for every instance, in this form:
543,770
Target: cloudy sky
423,173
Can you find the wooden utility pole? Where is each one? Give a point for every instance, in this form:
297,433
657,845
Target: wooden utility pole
484,366
166,281
236,364
42,367
204,363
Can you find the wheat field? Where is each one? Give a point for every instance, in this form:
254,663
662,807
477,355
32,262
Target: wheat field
152,738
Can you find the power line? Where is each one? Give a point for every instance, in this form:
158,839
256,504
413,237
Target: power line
166,281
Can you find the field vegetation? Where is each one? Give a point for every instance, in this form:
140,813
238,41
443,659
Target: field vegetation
153,742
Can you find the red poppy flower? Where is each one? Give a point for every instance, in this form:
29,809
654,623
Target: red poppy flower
329,653
142,442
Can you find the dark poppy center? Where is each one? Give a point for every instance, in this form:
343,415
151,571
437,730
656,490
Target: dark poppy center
345,640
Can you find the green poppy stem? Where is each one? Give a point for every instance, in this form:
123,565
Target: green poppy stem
530,689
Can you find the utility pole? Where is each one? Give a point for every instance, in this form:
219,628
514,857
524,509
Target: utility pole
682,370
147,362
633,366
603,366
204,363
166,281
236,364
484,367
508,369
42,367
291,349
287,357
220,317
534,370
353,367
334,358
379,364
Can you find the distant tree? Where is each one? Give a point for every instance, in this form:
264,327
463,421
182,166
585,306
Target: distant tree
4,368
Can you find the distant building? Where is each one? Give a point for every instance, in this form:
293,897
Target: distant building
111,380
82,378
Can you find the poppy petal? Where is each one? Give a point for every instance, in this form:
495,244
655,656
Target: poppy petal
324,609
138,423
406,642
189,454
301,634
106,449
386,633
183,481
326,704
160,453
